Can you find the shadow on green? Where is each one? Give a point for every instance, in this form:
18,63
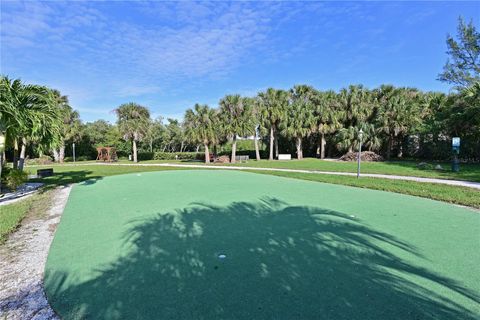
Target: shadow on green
282,262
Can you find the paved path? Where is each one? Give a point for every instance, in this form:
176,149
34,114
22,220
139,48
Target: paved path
469,184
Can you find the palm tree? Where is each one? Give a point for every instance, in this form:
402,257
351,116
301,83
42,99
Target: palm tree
70,129
236,118
35,117
398,111
200,126
300,121
255,109
133,121
327,115
272,112
357,105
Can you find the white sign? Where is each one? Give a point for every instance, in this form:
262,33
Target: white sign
284,157
455,142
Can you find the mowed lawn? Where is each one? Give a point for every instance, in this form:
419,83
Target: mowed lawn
148,245
469,172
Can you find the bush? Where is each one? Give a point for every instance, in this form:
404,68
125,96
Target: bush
80,158
142,156
39,161
178,156
13,178
249,153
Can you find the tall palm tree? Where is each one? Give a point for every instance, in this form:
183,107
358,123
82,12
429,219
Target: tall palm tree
71,124
255,109
300,121
328,117
357,105
398,111
236,118
133,121
273,111
200,126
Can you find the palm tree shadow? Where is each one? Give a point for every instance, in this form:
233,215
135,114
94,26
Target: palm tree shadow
282,262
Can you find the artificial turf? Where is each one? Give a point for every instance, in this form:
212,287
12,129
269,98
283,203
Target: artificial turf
147,246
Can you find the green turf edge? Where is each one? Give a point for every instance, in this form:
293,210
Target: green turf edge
451,194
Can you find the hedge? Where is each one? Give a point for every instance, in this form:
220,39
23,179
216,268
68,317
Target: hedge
178,156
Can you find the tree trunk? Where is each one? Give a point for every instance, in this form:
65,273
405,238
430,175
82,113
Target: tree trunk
270,156
207,154
198,148
257,151
350,149
21,160
61,153
134,145
234,148
400,148
322,146
56,156
276,144
15,154
389,147
299,148
1,166
151,145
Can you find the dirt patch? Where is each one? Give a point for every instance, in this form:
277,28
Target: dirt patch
22,262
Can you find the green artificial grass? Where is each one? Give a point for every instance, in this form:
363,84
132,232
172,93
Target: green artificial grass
147,246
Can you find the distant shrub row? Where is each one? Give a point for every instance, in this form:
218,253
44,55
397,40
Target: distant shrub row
171,156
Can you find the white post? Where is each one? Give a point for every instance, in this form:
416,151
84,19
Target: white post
360,134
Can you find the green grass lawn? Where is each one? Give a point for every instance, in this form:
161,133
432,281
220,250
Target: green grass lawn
147,245
468,172
11,215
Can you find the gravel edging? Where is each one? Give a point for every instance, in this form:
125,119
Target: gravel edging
22,263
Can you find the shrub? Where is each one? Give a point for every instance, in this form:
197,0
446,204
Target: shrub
39,161
142,156
79,158
13,178
178,156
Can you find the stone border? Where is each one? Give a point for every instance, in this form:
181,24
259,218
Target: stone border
22,263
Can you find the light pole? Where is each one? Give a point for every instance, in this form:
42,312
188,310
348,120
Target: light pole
360,136
73,149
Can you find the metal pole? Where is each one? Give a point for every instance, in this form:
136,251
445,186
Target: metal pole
360,134
73,152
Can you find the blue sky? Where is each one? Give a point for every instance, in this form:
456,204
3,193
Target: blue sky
170,55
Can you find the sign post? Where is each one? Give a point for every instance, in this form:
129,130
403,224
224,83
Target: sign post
456,151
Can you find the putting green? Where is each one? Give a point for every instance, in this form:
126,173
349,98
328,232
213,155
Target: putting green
147,246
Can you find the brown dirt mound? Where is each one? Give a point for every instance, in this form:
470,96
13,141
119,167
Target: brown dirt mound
222,159
366,156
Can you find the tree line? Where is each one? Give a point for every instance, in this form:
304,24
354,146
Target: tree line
304,121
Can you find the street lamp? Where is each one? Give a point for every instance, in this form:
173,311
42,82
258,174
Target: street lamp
360,136
73,150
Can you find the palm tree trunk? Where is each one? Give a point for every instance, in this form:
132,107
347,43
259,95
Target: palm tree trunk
270,156
299,148
207,154
61,153
322,145
21,160
56,155
257,152
234,148
15,154
134,144
276,144
1,166
389,147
